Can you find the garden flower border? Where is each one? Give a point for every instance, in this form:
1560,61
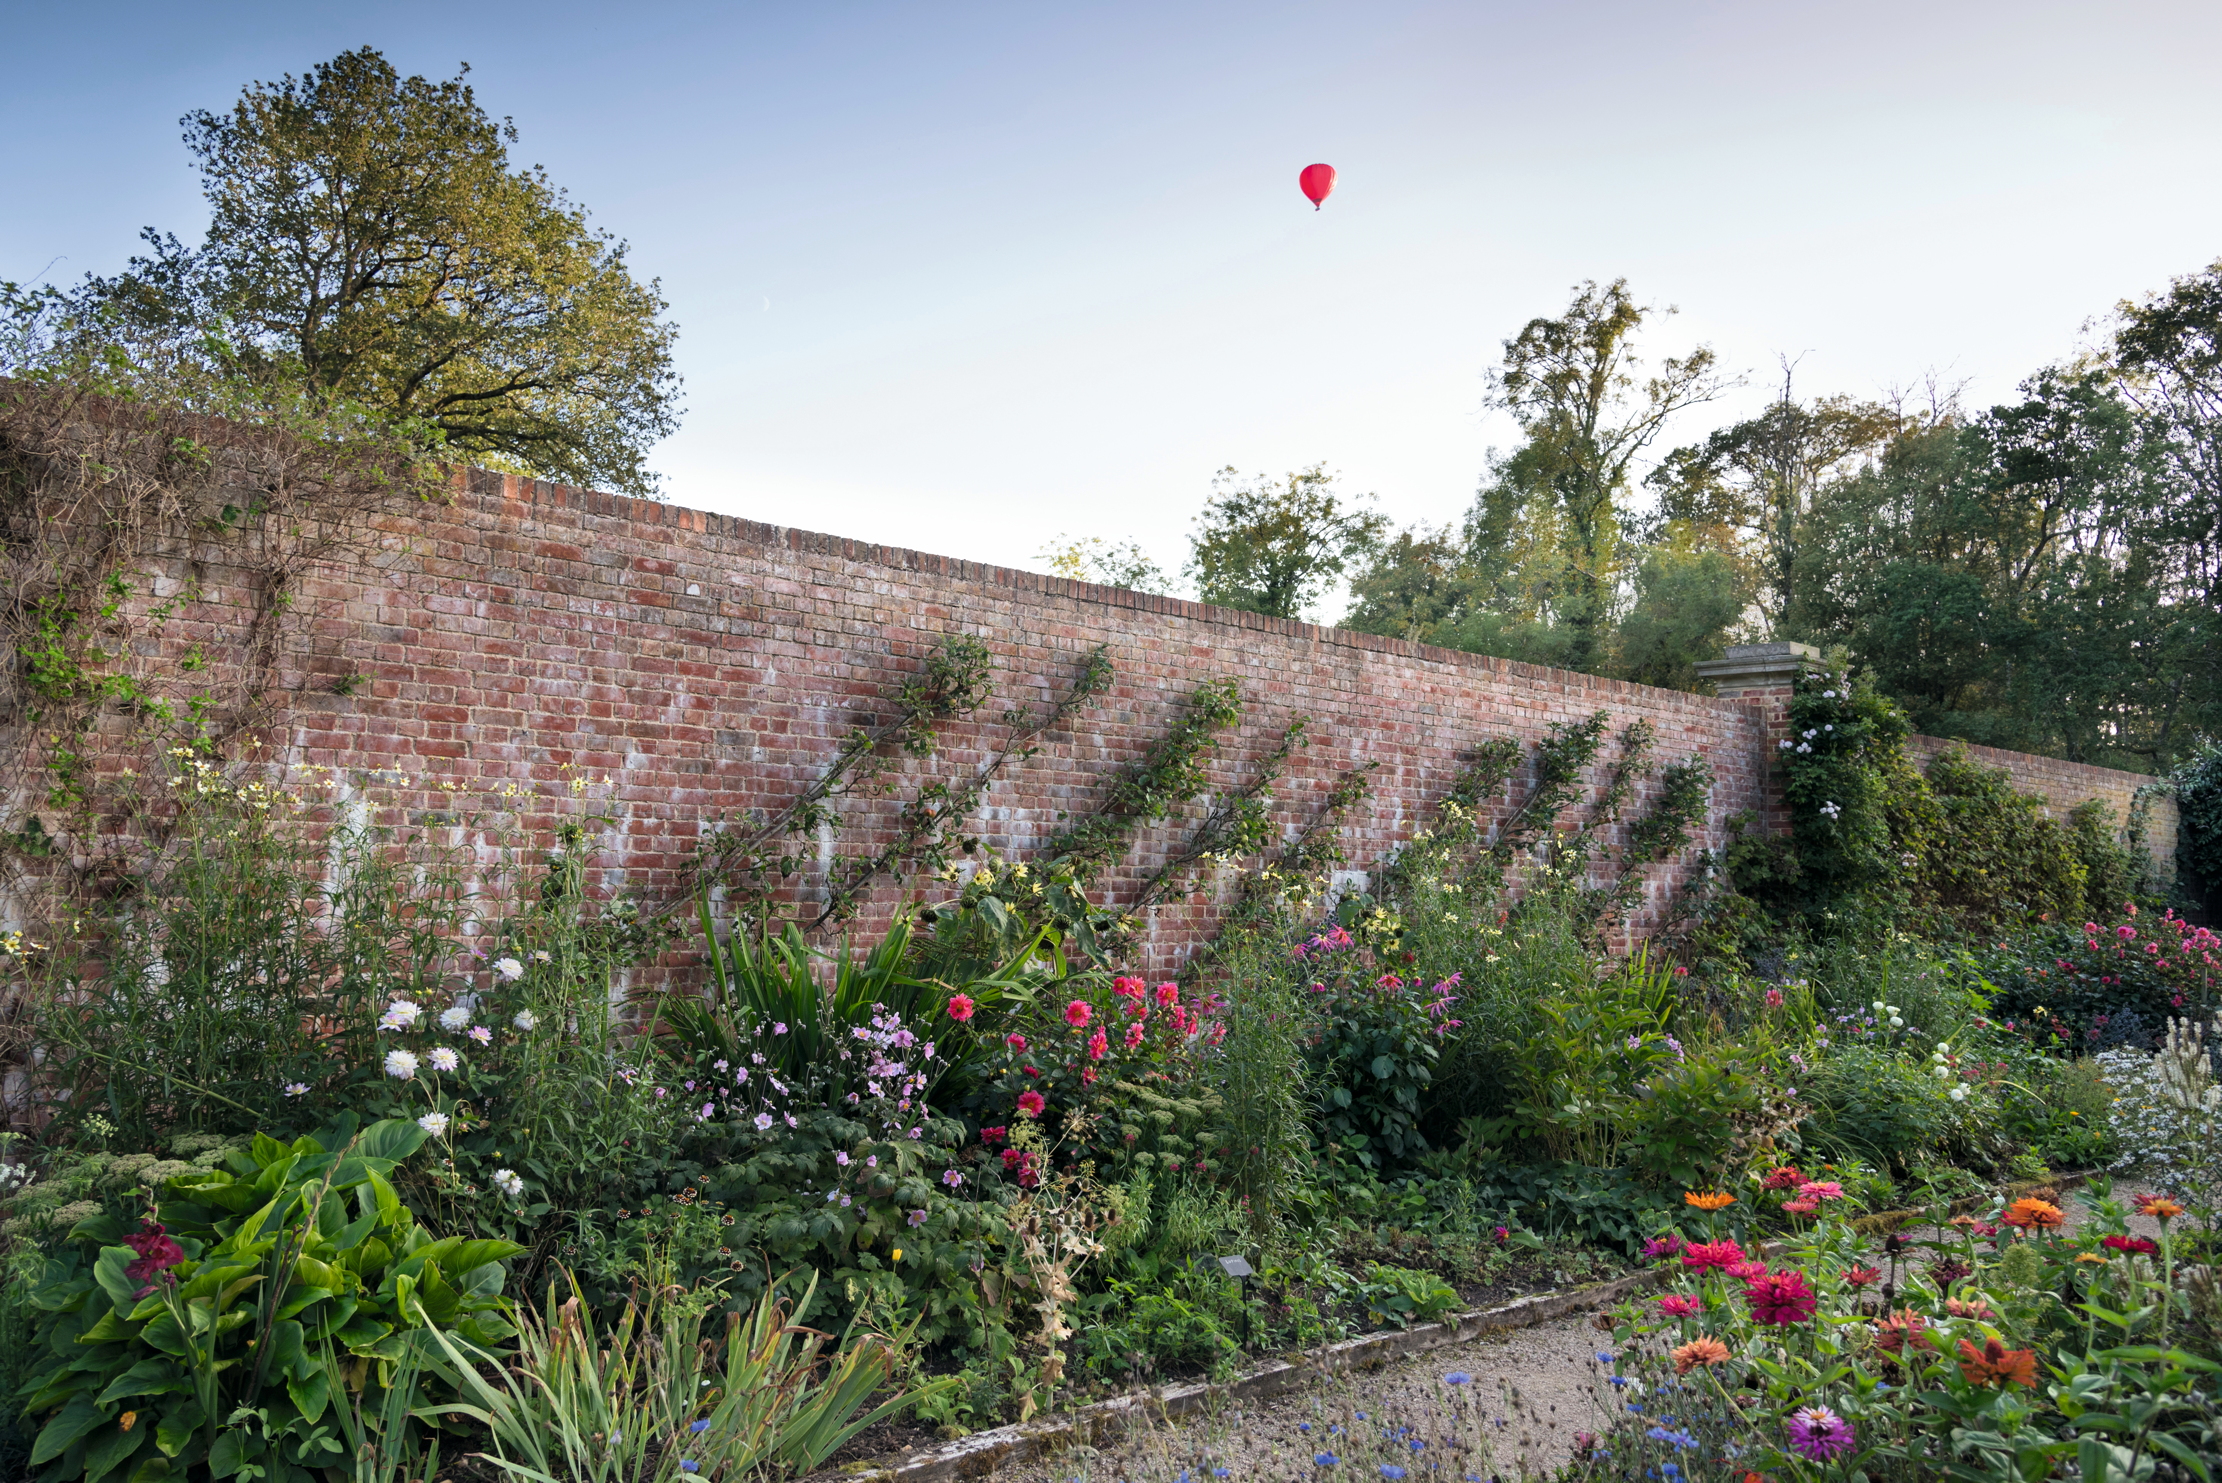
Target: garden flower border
982,1453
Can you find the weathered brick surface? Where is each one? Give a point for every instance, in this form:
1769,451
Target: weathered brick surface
709,666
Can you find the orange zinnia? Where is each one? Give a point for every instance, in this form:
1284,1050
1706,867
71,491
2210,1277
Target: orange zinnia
2159,1207
1708,1199
2032,1214
1901,1328
1995,1364
1699,1353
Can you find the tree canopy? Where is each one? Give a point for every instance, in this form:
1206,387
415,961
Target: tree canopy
371,244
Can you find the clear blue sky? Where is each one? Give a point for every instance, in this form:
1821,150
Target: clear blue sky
965,276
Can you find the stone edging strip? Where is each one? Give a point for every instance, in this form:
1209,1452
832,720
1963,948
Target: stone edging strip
984,1452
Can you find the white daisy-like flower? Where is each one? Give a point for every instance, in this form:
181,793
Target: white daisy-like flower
509,969
509,1183
296,1088
434,1123
402,1014
525,1019
401,1063
444,1059
763,1122
455,1017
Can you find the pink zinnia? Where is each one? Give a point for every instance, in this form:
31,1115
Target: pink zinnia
1077,1014
1015,1042
960,1006
1721,1253
1800,1207
1659,1246
1781,1298
1746,1271
1127,988
1680,1305
1133,1036
1168,994
1099,1046
1030,1104
1817,1433
1821,1189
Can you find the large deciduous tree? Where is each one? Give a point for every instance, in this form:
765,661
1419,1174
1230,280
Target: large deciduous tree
1277,546
370,243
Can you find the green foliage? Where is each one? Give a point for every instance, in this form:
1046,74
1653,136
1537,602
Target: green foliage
370,242
1135,1332
2198,790
284,1286
951,683
1985,854
1169,775
1404,1297
1274,548
243,968
648,1399
1371,1058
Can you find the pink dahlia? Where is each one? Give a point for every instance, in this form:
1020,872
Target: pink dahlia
1781,1298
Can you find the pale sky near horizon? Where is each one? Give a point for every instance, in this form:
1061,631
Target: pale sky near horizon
966,277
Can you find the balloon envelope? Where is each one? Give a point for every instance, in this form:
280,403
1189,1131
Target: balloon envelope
1317,181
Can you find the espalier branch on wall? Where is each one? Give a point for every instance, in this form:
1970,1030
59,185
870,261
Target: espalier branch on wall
523,635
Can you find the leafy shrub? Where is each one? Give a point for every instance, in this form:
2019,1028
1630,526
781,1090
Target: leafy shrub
236,1336
648,1399
1404,1297
2086,976
1691,1116
1132,1331
1874,1104
1372,1053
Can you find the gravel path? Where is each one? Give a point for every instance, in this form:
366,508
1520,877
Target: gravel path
1529,1391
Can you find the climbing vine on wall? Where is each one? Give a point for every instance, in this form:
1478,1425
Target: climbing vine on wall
1955,849
135,495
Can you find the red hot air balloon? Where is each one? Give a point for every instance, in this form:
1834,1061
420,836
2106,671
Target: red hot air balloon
1317,181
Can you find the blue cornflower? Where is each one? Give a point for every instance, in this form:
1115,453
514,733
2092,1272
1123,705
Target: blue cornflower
1361,1415
1605,1357
1220,1472
689,1465
1391,1471
1418,1445
1325,1459
1617,1380
1669,1470
699,1427
1303,1426
1636,1407
1458,1377
1183,1478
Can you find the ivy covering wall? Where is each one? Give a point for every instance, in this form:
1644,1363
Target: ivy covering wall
1952,850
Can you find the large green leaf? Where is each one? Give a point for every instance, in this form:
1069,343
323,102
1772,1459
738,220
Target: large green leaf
392,1138
458,1256
76,1420
147,1377
108,1272
175,1432
114,1447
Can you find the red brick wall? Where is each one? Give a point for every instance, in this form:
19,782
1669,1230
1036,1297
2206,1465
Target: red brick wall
708,666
